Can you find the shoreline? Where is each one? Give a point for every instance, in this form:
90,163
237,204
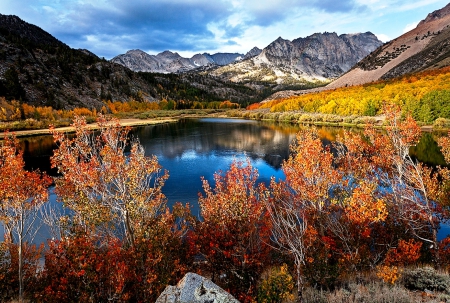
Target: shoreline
93,126
163,120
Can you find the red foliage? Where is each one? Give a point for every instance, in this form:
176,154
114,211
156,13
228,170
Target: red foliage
79,270
232,236
253,106
406,253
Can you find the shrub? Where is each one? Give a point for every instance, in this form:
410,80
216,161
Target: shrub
441,123
426,278
364,120
355,293
349,119
332,118
389,274
306,118
276,286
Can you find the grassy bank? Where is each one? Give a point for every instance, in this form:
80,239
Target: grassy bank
32,127
302,118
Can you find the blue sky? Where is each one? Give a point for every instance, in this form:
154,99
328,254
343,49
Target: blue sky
111,27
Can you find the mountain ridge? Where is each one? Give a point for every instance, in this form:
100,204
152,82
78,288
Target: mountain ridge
318,58
425,47
40,70
170,62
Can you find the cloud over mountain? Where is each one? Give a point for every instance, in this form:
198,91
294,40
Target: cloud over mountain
111,27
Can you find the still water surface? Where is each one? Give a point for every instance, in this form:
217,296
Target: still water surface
192,148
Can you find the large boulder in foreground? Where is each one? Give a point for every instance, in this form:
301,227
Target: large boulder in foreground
195,289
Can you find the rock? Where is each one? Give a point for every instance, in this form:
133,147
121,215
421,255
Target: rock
194,288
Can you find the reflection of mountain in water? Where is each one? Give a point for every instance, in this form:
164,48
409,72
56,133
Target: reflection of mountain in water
266,141
217,136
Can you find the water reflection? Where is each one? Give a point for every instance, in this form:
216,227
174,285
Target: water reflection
216,136
427,151
193,148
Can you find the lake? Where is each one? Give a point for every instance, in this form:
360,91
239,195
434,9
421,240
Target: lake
192,148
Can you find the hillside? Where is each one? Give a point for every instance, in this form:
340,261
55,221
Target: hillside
425,47
40,70
425,95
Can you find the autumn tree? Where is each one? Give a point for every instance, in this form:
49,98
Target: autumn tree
355,198
232,234
22,194
444,143
420,194
77,269
107,180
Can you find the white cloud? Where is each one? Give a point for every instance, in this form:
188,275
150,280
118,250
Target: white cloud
110,27
383,37
411,5
410,26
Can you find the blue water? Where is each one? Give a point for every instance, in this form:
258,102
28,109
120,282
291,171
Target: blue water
193,148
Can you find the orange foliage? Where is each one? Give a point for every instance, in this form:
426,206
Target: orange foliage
228,104
102,184
406,253
82,112
388,274
363,207
22,193
253,106
234,230
368,99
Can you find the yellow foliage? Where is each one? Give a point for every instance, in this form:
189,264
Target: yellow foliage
277,286
389,274
367,99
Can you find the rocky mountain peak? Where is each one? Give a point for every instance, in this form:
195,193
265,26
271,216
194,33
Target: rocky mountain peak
437,14
318,57
172,62
255,51
168,55
135,51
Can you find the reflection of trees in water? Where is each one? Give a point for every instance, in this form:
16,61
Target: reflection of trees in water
267,141
37,151
428,151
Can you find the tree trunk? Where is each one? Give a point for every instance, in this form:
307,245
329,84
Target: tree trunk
128,230
20,257
436,255
299,281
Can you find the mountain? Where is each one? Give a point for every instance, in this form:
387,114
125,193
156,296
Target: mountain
425,47
320,57
40,70
169,62
252,53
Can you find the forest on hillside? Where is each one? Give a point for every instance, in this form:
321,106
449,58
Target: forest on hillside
425,95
